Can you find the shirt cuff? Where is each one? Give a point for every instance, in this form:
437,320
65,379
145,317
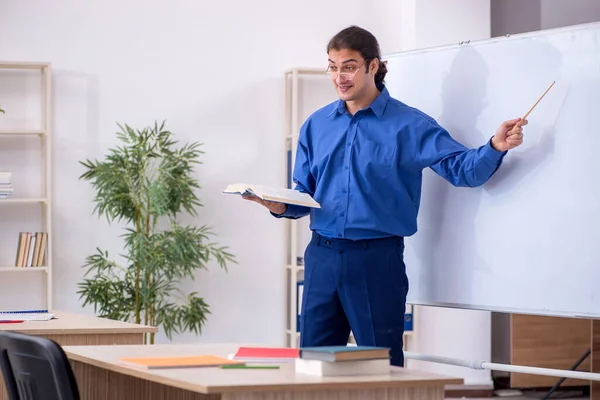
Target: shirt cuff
292,211
491,154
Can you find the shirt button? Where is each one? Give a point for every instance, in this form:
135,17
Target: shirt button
346,167
341,214
344,190
339,235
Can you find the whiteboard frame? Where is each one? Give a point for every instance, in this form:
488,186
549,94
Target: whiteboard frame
519,36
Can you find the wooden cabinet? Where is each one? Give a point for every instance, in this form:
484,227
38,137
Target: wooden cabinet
548,342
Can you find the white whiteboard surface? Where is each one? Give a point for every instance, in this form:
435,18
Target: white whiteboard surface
528,241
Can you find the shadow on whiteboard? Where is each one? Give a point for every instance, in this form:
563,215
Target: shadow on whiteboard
447,213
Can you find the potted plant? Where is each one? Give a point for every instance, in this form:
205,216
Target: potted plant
146,183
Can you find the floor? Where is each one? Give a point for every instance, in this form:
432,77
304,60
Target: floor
540,396
565,394
532,396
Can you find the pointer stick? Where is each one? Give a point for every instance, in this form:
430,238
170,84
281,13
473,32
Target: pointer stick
536,103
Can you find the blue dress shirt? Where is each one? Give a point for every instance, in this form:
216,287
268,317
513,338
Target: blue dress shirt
365,170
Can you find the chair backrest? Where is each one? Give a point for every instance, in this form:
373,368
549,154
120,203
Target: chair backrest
35,368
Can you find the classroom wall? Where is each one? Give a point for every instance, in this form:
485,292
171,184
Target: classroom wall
214,71
515,16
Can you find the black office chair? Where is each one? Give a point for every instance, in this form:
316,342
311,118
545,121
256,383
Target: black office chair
35,368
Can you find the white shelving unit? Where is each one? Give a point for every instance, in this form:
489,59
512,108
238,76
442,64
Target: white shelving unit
294,271
42,200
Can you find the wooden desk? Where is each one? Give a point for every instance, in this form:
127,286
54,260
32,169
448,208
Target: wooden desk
100,376
75,329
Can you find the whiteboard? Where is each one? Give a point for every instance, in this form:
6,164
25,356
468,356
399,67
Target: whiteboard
528,241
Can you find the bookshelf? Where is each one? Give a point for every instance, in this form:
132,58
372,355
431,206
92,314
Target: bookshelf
305,90
26,126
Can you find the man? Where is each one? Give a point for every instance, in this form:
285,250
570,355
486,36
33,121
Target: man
361,158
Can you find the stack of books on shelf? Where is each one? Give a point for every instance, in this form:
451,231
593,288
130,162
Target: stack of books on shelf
31,249
343,360
6,188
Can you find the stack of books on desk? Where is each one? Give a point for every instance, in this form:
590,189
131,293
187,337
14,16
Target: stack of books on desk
343,360
6,189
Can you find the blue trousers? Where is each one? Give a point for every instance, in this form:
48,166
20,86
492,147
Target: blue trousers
354,285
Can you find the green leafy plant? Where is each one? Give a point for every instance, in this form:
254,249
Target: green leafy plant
146,183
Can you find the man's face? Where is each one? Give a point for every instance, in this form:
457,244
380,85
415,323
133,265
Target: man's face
348,74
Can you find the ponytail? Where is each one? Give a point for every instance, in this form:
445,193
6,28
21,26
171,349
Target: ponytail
381,72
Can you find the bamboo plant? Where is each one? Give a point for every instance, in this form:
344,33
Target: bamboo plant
146,183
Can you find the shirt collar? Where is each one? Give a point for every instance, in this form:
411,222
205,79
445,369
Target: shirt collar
377,106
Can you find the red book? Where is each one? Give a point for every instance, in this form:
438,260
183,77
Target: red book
267,354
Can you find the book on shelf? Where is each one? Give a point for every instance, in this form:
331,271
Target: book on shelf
299,294
31,249
280,195
408,318
6,189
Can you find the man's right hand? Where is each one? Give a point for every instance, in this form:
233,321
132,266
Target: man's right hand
273,206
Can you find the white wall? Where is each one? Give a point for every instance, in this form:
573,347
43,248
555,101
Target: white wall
517,16
463,334
214,71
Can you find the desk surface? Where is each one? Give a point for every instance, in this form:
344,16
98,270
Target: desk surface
70,324
217,380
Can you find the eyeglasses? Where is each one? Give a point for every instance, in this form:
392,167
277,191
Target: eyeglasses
347,73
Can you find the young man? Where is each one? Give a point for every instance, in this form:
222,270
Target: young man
361,158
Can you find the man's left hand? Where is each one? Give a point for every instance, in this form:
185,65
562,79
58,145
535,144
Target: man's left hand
509,135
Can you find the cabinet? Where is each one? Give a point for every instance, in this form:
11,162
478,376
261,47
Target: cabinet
25,145
305,91
548,342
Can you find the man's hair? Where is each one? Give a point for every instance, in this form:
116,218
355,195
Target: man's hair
363,41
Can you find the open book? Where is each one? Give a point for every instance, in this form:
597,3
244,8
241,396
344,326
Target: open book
287,196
